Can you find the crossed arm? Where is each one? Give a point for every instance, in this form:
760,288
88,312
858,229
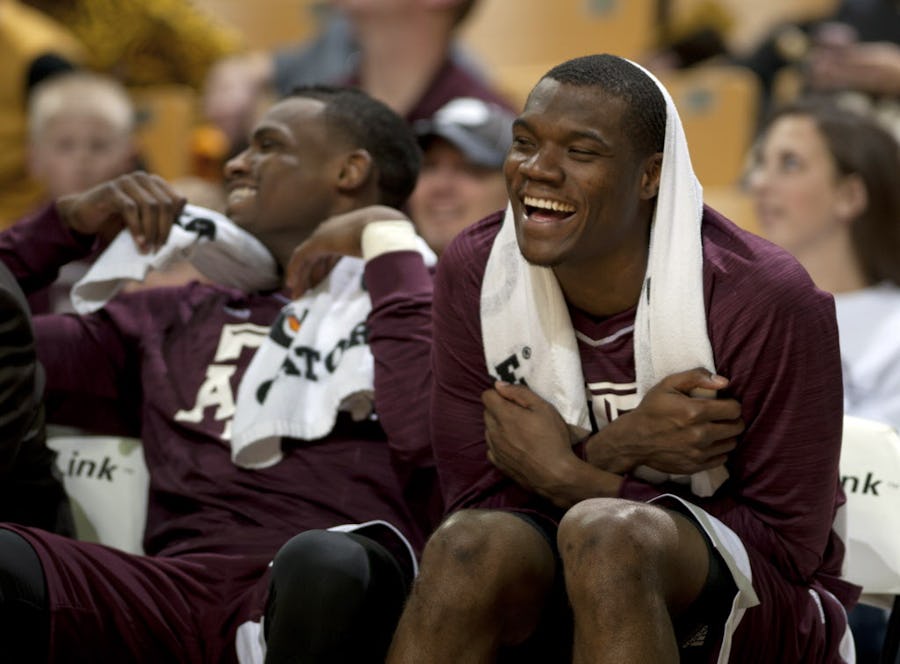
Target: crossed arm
669,431
773,336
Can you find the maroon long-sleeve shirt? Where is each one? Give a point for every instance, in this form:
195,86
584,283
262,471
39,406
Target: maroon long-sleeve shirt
773,335
165,364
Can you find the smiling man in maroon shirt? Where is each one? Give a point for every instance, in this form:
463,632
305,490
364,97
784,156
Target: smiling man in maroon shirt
544,518
165,364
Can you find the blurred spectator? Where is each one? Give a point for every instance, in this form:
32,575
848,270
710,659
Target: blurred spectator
239,85
139,42
854,49
863,74
825,184
401,52
32,47
464,147
80,133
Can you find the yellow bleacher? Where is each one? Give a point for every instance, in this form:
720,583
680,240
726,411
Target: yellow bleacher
719,108
267,24
519,40
167,116
503,33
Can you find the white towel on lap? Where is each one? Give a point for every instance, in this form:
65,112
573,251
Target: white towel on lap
522,305
215,245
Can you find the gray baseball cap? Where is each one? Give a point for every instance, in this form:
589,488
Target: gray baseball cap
482,131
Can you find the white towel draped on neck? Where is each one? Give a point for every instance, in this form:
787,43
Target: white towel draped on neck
218,248
314,363
522,306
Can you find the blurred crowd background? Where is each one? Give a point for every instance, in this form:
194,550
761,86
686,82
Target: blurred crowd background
197,71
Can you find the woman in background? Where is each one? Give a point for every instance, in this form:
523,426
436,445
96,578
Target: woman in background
826,187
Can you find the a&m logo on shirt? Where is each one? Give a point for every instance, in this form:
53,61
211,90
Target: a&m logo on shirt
609,400
216,392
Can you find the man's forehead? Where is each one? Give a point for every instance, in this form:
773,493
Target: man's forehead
549,89
290,110
564,105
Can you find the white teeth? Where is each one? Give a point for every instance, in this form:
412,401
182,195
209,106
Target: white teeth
547,204
239,193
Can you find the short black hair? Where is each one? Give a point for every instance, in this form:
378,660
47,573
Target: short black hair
373,126
646,114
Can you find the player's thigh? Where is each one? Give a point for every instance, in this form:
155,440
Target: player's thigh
108,605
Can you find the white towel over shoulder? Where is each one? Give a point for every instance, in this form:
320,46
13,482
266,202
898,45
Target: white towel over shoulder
210,241
522,305
315,363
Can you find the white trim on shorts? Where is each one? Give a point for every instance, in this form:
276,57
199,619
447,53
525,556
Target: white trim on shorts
730,547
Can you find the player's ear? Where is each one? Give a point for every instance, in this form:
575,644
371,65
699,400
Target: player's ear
650,176
355,170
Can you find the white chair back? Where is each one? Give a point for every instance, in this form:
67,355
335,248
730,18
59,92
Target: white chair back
106,480
870,521
870,475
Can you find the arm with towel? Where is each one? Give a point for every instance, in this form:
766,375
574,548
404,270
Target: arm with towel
398,280
84,357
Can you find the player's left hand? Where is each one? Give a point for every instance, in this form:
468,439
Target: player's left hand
337,236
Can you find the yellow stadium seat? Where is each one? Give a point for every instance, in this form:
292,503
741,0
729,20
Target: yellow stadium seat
505,33
719,107
267,24
753,20
167,115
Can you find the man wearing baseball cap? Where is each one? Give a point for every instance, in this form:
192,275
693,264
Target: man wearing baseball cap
464,145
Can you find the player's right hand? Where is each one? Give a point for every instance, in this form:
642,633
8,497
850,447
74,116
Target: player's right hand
145,204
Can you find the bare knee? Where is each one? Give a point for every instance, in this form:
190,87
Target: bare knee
466,538
482,584
485,544
615,542
484,558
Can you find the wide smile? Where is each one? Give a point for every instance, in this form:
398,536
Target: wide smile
547,210
240,193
